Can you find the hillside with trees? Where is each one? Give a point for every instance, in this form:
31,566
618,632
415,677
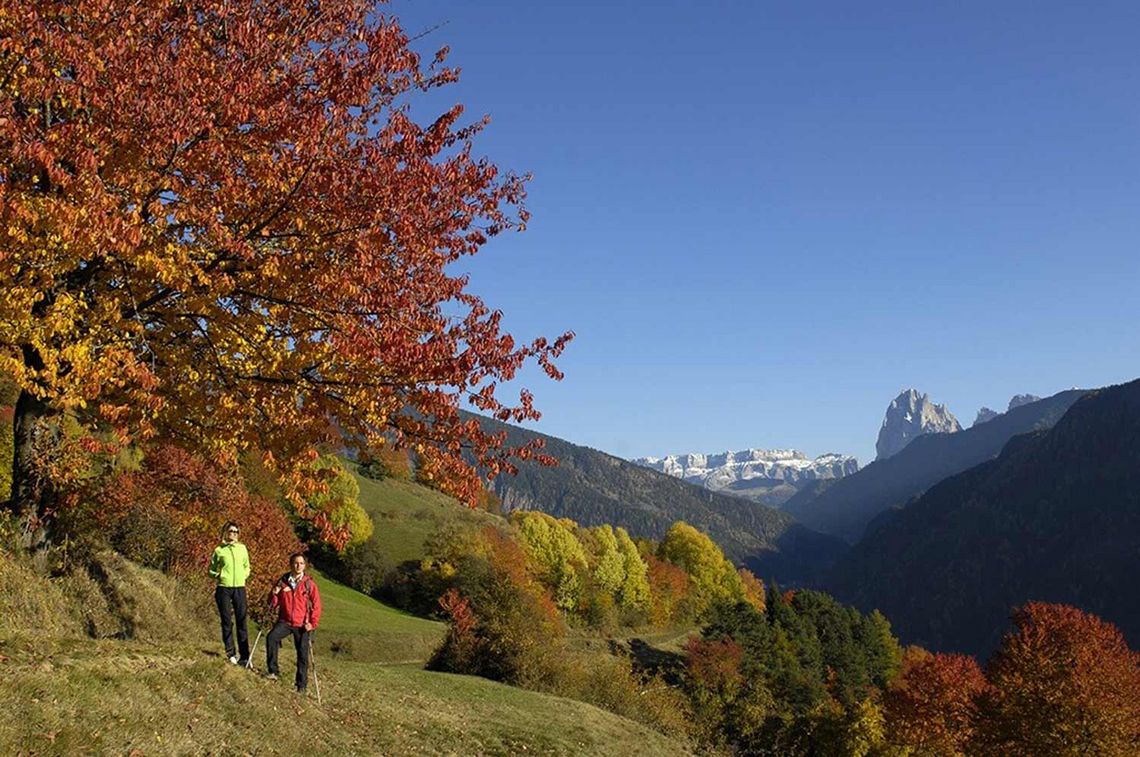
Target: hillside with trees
1056,518
592,488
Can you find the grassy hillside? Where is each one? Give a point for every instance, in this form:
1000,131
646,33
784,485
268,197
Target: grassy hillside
405,515
168,690
358,628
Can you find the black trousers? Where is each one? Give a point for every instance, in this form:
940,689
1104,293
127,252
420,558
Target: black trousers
232,600
300,641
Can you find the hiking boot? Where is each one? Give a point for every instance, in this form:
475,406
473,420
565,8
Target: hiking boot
243,663
271,676
234,659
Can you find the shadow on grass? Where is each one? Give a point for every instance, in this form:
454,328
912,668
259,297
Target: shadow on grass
650,660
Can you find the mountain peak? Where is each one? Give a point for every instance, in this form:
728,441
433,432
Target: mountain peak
1018,400
910,415
984,415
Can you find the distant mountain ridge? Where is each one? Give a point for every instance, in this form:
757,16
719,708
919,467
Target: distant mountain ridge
846,507
593,488
767,476
1017,400
1056,518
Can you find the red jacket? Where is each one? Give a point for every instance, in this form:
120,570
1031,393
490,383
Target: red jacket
297,606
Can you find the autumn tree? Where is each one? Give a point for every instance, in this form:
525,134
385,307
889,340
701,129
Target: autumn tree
336,510
555,554
608,565
931,707
714,577
1064,682
220,225
169,514
754,593
633,594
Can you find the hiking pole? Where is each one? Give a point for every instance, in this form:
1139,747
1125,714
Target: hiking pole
313,665
249,662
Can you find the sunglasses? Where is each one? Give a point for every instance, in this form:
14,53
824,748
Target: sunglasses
233,531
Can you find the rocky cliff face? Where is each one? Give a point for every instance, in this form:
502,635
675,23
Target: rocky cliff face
909,416
985,414
1021,399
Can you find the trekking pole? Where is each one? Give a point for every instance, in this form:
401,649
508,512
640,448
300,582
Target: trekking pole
249,662
313,665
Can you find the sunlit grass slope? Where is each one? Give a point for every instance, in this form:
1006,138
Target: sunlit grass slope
405,515
171,692
118,697
356,627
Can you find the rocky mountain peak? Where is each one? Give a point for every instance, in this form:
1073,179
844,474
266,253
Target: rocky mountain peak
1018,400
911,415
985,414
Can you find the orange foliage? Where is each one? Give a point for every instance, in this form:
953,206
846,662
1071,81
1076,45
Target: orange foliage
221,224
931,706
1063,682
179,503
713,666
754,593
386,462
503,623
669,587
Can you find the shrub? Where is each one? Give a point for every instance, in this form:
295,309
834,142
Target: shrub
386,462
612,683
367,567
170,512
503,624
339,518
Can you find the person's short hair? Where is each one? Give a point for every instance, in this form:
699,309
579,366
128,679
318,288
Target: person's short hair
295,555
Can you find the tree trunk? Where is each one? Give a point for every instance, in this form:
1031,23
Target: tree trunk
31,488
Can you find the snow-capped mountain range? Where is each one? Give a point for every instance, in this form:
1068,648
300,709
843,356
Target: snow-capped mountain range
753,469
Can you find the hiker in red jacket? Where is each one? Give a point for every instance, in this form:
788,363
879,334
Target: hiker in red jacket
298,605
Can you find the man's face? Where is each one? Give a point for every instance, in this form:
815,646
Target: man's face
232,534
298,566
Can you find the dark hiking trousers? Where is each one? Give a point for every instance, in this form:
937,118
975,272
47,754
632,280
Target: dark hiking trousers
232,600
300,641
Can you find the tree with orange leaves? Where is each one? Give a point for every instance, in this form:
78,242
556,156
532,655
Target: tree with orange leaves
1063,682
931,707
220,225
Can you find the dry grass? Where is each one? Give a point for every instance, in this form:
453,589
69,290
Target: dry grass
164,687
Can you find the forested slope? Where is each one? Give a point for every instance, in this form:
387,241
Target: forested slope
593,487
1055,518
846,507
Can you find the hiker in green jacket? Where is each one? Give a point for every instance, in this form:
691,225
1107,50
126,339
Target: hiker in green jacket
229,566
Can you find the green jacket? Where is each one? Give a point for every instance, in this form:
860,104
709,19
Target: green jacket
229,565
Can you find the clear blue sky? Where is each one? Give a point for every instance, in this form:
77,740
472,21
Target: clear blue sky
763,220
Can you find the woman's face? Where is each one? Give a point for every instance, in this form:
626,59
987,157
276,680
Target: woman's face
232,534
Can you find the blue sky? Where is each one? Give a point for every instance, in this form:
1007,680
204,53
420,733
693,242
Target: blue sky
764,220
